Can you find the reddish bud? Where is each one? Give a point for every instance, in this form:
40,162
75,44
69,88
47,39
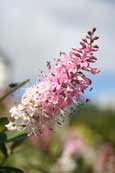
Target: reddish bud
87,37
48,65
94,29
89,33
94,50
92,59
74,49
96,38
82,44
96,46
92,40
77,54
62,53
80,51
84,40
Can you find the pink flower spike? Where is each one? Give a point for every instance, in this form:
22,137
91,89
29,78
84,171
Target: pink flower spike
47,100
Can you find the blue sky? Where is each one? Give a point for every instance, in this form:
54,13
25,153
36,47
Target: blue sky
103,92
34,31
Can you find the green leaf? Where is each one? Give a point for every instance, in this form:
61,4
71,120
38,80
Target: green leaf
13,90
15,145
3,121
10,170
18,137
3,149
3,137
12,137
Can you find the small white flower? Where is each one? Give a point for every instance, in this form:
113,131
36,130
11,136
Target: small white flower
67,163
11,126
79,78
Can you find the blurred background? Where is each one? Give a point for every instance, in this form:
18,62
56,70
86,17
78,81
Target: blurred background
32,32
35,31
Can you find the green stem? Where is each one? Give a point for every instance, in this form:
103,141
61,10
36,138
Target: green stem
13,90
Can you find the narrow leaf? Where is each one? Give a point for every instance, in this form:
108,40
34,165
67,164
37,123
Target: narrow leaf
3,149
3,137
10,170
18,137
13,90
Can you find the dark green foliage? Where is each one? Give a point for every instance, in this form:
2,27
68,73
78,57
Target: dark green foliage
8,141
10,170
102,121
3,121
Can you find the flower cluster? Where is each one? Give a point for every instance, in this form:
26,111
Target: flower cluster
62,87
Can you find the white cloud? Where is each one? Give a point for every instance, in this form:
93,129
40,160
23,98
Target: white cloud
33,31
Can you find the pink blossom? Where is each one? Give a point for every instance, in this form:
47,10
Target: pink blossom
46,100
73,146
